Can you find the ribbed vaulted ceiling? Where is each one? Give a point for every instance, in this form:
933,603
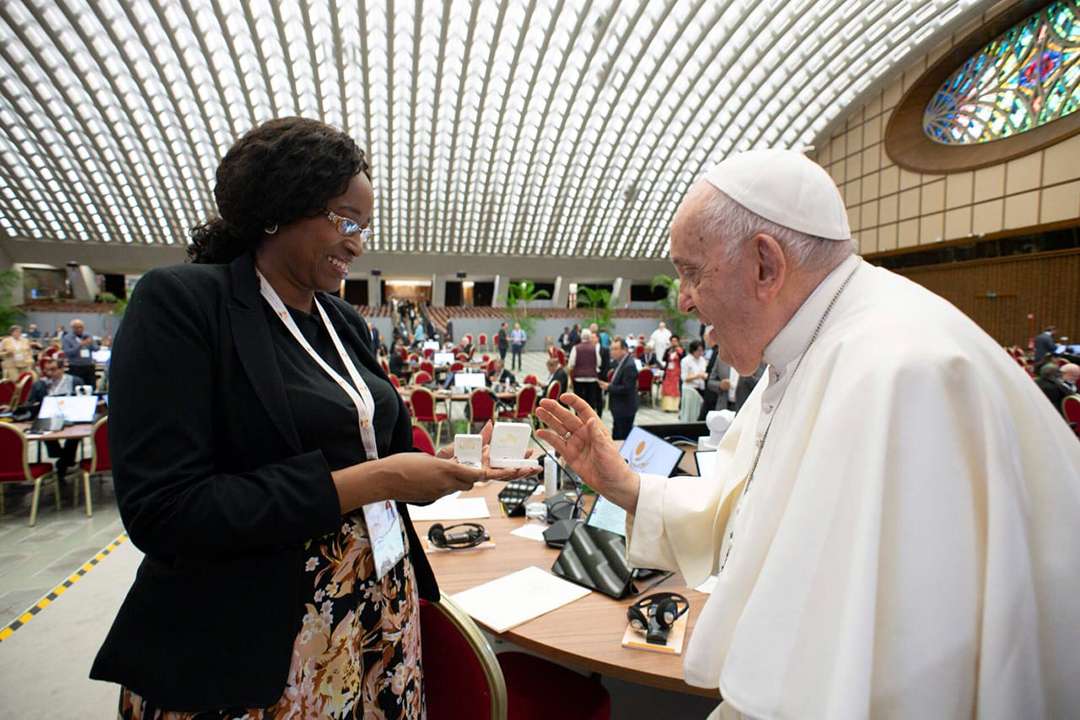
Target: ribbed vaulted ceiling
532,127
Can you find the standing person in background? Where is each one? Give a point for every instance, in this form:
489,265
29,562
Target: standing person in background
503,342
450,331
660,339
564,340
575,337
419,334
376,345
692,370
1045,343
584,367
16,352
605,338
605,352
622,391
517,345
78,348
670,391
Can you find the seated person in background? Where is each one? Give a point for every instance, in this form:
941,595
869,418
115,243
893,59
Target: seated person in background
398,365
57,382
497,374
555,374
1070,374
1050,382
648,358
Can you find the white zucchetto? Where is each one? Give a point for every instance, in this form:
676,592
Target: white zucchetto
785,187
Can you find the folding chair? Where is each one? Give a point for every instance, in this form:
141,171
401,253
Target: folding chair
15,466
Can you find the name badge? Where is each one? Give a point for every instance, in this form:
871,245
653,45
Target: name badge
18,357
385,534
84,353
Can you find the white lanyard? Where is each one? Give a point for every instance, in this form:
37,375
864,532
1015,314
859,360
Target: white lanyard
362,400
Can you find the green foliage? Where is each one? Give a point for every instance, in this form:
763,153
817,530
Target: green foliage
119,306
10,313
669,305
518,297
599,301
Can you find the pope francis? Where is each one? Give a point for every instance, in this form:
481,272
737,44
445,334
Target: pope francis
895,514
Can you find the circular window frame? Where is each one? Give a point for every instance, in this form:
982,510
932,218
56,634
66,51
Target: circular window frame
907,143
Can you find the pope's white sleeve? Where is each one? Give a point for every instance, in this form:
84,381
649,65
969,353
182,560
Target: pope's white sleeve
647,544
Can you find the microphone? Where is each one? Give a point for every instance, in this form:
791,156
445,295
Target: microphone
502,402
562,526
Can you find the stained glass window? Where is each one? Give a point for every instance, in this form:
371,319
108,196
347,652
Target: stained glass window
1025,78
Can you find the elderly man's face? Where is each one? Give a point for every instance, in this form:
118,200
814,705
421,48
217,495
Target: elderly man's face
77,328
718,292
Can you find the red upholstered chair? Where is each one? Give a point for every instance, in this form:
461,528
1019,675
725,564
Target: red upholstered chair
1070,408
554,391
414,358
385,367
7,391
15,466
462,357
405,354
429,353
394,381
481,406
422,441
524,403
457,367
423,403
531,380
645,383
639,350
22,391
428,367
26,375
99,462
485,358
482,341
464,678
421,378
561,354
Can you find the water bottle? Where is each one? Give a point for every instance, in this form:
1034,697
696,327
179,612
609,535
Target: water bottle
551,477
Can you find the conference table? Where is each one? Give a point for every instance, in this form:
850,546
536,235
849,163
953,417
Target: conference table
586,633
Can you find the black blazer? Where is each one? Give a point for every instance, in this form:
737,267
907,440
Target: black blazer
212,485
622,392
558,376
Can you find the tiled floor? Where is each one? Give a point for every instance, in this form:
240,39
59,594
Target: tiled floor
33,561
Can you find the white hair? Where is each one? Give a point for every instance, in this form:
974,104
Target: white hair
725,218
586,335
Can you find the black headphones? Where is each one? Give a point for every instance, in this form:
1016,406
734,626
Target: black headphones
654,615
441,537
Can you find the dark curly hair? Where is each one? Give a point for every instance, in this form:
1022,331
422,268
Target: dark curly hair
278,172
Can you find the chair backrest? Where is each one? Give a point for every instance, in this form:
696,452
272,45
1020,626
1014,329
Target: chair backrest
531,380
422,441
462,676
644,380
101,461
429,352
1070,408
25,375
394,381
423,403
7,391
554,390
384,365
22,392
462,356
483,339
413,358
481,406
561,354
14,466
639,350
428,367
457,366
421,377
525,401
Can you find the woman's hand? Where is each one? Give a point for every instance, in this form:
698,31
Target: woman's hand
405,477
588,449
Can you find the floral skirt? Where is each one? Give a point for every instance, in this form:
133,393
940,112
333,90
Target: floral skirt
357,654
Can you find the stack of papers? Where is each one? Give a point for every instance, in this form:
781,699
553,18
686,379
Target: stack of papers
517,598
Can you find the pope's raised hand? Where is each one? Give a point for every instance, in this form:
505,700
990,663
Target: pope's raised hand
579,436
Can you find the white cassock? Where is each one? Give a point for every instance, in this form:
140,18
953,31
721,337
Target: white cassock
661,340
909,546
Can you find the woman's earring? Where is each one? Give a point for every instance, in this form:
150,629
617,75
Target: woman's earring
271,229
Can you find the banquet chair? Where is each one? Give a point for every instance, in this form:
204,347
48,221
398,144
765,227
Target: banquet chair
99,461
421,440
421,378
1070,408
481,406
423,403
524,403
15,466
645,384
7,391
22,391
464,678
428,367
482,341
531,380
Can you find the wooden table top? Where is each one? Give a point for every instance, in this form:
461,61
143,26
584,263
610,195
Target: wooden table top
586,633
71,432
407,390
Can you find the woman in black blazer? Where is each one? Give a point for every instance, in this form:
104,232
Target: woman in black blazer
241,464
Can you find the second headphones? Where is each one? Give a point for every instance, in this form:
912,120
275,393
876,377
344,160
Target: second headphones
654,615
441,537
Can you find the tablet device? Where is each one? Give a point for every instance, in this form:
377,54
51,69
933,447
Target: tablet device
443,358
72,408
646,453
606,515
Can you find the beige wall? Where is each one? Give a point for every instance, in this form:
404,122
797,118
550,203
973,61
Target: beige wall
890,208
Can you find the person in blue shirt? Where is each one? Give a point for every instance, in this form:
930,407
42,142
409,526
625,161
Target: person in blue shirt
517,344
78,348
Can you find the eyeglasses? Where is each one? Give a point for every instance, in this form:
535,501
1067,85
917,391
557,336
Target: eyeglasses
348,227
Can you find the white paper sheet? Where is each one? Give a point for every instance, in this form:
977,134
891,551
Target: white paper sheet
517,598
532,531
451,508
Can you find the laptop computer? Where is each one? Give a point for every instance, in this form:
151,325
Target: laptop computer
443,358
647,453
706,462
466,381
69,408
